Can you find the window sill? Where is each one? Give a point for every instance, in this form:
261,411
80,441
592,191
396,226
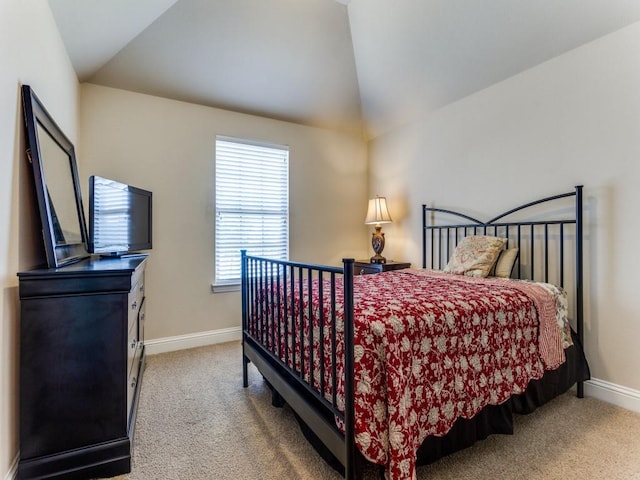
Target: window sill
225,287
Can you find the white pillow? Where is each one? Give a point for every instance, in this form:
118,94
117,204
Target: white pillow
505,262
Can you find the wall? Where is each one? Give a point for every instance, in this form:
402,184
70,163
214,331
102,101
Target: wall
31,52
168,147
572,120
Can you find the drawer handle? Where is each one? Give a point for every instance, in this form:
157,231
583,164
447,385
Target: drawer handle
134,305
142,288
134,380
142,317
134,342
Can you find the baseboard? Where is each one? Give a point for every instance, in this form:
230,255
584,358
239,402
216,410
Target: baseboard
13,470
192,340
615,394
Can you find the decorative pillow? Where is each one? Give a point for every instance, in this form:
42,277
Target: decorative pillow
505,262
475,255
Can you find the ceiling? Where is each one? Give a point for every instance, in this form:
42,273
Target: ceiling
354,65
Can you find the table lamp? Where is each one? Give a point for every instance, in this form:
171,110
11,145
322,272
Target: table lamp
377,214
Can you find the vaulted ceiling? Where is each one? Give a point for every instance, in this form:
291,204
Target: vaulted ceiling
354,65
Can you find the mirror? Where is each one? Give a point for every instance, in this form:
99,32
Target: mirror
56,177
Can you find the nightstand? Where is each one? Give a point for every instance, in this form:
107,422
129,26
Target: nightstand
364,267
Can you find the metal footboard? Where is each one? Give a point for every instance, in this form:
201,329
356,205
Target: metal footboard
297,328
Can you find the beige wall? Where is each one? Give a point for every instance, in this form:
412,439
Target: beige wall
572,120
31,52
168,147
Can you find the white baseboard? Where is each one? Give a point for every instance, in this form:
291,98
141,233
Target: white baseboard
192,340
615,394
13,470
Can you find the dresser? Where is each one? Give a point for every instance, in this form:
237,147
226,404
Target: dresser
81,364
364,267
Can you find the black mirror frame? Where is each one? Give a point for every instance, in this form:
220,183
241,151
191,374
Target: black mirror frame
58,255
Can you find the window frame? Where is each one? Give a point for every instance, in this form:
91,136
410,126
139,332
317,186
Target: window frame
233,284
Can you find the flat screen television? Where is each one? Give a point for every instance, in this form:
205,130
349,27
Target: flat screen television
119,218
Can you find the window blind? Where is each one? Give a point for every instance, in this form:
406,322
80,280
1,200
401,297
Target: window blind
252,204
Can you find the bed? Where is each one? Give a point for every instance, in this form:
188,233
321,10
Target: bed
401,368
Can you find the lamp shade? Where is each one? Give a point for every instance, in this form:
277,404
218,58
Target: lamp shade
378,211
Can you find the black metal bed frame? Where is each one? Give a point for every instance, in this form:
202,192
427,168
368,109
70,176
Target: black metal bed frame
443,238
270,311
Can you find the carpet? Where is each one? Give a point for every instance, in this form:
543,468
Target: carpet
196,422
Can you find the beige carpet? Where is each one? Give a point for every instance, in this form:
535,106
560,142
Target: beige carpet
195,421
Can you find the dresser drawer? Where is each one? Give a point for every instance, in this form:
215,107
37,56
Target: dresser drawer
366,269
135,337
141,317
132,348
132,380
136,296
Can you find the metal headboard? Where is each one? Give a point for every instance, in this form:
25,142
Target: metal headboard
543,242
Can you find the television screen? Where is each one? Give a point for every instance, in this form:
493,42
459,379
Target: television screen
119,217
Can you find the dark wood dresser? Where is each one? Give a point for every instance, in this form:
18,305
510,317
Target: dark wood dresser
364,267
81,363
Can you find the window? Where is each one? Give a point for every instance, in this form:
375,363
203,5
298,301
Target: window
252,204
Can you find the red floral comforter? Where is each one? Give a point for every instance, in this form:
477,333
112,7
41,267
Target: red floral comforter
430,348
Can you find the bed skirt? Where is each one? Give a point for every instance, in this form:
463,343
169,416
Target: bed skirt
493,419
555,382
